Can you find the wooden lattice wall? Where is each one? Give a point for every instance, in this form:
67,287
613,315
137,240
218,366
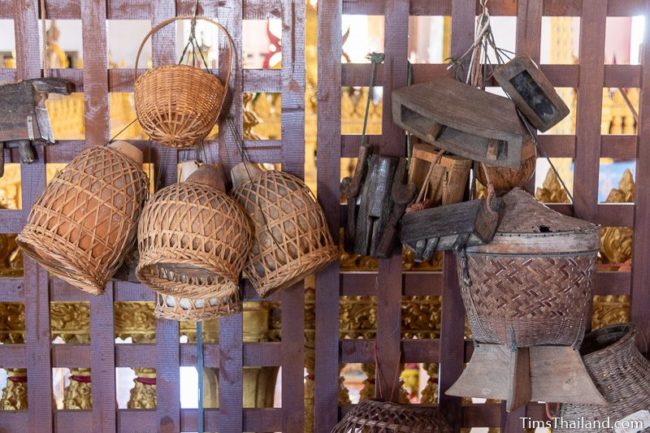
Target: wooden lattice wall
389,284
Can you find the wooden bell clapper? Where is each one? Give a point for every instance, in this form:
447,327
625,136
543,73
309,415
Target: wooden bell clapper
23,115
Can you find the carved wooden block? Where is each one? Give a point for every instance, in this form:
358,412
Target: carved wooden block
531,92
462,120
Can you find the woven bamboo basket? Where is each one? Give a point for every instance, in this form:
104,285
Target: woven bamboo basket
83,224
193,239
504,179
292,239
532,284
620,372
178,105
202,308
371,416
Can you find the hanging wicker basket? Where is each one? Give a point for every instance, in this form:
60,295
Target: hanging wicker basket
292,239
201,308
371,416
532,284
504,179
178,105
193,239
85,221
620,372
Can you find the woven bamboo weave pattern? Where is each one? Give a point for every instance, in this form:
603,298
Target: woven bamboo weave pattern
193,241
202,308
536,300
371,416
621,373
292,239
83,224
178,105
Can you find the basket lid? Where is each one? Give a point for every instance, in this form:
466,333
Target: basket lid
528,226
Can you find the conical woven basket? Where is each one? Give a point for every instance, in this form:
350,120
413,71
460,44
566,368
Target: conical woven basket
620,372
177,105
532,284
193,239
292,239
371,416
85,221
202,308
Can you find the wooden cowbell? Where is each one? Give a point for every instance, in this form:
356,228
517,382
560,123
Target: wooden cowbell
23,115
462,120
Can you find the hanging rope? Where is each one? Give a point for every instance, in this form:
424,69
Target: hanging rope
375,59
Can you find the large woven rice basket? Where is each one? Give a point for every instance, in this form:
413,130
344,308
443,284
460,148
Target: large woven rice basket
193,239
177,105
83,224
620,372
370,416
532,284
201,308
292,239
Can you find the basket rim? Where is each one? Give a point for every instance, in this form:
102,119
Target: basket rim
54,263
176,68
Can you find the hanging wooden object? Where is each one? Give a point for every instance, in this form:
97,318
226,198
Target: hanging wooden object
178,105
193,239
377,196
449,177
531,92
462,120
621,373
372,416
448,227
292,239
504,179
85,221
23,115
531,286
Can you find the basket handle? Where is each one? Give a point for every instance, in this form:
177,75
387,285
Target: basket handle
231,46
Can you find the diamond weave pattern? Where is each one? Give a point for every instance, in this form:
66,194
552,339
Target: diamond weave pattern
193,241
528,300
292,239
84,222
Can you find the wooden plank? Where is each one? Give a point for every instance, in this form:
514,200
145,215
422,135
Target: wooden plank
452,326
328,176
641,253
12,355
11,290
13,421
589,109
363,351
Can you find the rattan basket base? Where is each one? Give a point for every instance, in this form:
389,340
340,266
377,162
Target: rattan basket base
371,416
287,275
177,308
75,273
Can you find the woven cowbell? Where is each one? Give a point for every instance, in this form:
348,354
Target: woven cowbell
372,416
621,373
193,238
85,221
292,239
527,297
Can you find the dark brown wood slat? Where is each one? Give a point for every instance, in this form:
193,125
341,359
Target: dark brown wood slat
7,75
262,9
263,80
328,175
389,279
453,313
12,356
72,356
126,291
73,420
589,109
613,283
13,421
167,351
137,421
615,215
11,290
363,351
641,252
